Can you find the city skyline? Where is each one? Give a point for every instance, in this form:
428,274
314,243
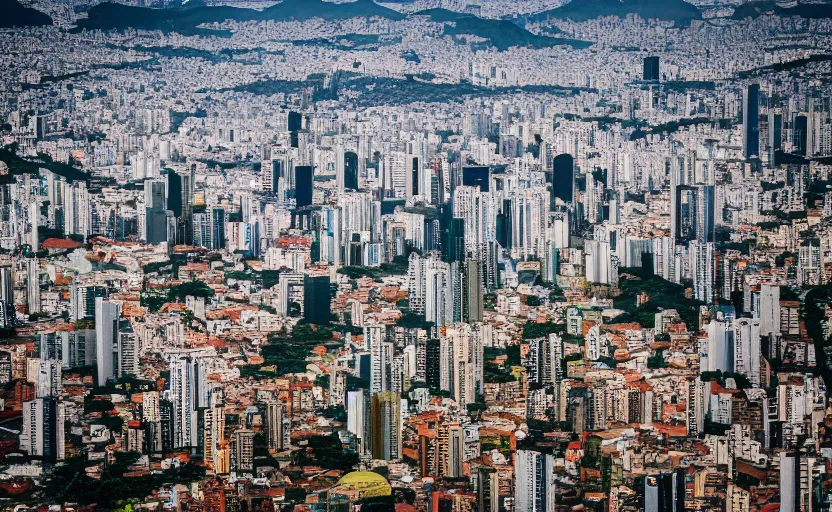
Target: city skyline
432,255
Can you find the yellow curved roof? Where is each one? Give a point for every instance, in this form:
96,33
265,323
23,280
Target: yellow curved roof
367,483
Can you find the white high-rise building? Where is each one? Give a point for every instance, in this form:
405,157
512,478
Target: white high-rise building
42,433
534,489
106,335
747,348
701,261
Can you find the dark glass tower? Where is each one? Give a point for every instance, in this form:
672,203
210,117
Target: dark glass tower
751,121
350,171
303,185
563,177
477,176
316,299
651,68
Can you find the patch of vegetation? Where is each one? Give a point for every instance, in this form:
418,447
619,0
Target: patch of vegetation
69,481
326,452
18,165
663,295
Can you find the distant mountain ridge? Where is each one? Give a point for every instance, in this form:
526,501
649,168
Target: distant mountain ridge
111,16
502,34
752,9
14,14
678,11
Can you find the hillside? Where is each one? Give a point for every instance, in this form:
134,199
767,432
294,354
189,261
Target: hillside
502,34
185,20
754,9
677,11
16,15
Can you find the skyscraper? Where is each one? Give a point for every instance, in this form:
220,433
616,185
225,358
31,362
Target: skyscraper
387,426
472,292
106,335
156,228
316,299
651,68
42,434
665,492
563,177
303,185
701,261
751,121
350,178
359,421
274,424
534,481
478,176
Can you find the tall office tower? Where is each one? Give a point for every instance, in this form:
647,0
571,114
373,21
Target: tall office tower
303,185
599,263
72,348
106,336
461,363
701,261
775,136
477,176
152,416
719,348
800,130
387,426
33,285
563,178
747,349
347,171
544,360
244,450
433,364
695,406
451,450
415,184
316,299
789,482
82,300
751,121
127,351
7,311
275,169
185,381
49,381
693,212
185,230
472,297
809,265
173,192
274,424
209,229
488,489
359,421
529,223
156,220
77,209
337,387
665,493
473,210
534,489
381,360
769,310
651,68
42,434
32,223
